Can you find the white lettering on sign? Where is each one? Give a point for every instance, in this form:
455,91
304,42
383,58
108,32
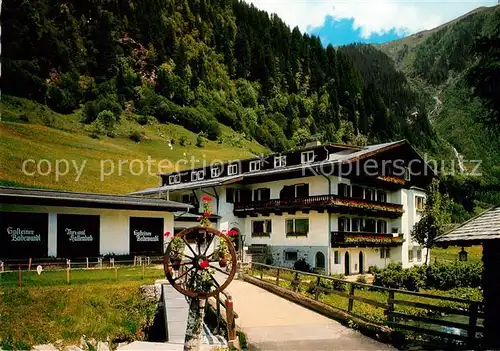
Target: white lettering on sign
143,236
78,235
18,234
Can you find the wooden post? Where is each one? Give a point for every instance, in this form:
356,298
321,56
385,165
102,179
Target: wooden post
1,266
231,332
68,275
112,262
135,260
316,291
261,271
68,262
87,259
471,331
217,302
390,309
19,276
278,277
143,267
351,300
29,264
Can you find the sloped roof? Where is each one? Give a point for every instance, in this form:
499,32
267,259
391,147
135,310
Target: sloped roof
92,200
486,226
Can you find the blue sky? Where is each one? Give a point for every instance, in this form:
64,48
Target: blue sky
342,22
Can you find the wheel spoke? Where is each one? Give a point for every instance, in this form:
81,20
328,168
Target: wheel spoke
208,244
185,273
218,269
189,246
215,281
182,253
191,281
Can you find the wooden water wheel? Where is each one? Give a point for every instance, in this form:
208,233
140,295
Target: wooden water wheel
192,269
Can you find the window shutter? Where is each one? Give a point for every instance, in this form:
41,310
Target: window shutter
265,194
229,195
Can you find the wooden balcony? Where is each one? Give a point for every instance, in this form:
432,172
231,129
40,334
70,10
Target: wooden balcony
365,239
321,203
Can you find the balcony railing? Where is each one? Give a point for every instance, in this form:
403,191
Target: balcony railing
340,203
345,239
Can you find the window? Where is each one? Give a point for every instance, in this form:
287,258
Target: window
370,194
357,224
381,196
410,255
197,175
279,161
291,256
381,226
255,166
344,190
419,203
233,195
261,228
232,169
344,224
407,174
262,194
174,179
302,190
385,252
369,225
395,230
357,192
419,255
216,171
336,257
297,227
307,157
294,191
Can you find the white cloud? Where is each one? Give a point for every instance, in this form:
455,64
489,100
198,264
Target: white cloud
371,16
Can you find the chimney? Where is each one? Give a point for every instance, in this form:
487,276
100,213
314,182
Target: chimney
313,143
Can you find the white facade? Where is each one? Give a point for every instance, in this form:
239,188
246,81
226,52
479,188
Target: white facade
114,225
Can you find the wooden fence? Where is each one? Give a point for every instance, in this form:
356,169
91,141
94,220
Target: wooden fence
469,332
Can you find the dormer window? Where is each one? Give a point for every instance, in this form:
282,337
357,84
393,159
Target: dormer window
279,161
174,179
216,171
232,169
197,175
254,166
307,156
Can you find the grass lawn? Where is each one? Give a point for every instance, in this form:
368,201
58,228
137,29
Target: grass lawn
33,131
450,254
46,309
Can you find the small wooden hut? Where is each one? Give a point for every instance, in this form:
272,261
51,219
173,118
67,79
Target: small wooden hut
483,230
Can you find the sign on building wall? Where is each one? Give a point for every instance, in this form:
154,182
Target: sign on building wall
24,235
78,235
146,235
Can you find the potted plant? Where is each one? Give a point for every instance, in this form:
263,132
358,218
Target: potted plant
222,251
177,246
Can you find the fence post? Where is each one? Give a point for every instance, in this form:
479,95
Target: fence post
390,309
316,291
351,300
135,260
68,275
68,263
1,267
231,333
278,277
29,264
112,262
19,276
87,260
471,331
143,267
261,271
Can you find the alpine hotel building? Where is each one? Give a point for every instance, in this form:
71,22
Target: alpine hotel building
342,208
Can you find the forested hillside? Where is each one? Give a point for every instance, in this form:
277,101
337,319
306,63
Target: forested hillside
458,67
197,62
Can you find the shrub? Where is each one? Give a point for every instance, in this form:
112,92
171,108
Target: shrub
362,279
339,285
23,117
136,136
302,265
373,269
200,140
108,102
182,140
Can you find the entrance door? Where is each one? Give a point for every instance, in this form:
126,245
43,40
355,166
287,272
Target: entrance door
347,264
361,266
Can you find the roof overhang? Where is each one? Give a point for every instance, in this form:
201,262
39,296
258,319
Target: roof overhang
38,197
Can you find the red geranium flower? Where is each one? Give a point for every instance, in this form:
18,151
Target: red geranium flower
206,198
166,235
232,232
204,264
206,214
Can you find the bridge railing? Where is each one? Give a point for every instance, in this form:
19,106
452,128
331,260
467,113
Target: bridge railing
455,319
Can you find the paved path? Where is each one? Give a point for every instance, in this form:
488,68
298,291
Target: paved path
274,323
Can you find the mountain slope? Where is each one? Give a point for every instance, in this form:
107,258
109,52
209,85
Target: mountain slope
438,63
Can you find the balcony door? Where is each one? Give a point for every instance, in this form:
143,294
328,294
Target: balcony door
344,224
294,191
347,264
361,263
